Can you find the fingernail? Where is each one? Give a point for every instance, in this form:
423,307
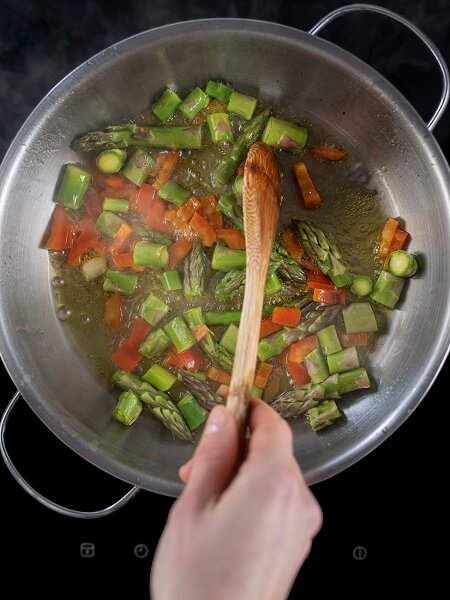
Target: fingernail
216,420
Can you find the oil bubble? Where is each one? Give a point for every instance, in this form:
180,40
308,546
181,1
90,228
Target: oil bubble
63,312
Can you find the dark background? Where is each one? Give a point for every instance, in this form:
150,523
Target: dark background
392,502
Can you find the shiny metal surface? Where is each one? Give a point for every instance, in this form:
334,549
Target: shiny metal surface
323,83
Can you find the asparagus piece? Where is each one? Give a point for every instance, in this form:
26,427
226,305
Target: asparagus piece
345,360
120,281
316,365
219,127
356,379
284,135
194,271
73,188
214,351
227,167
328,339
108,223
222,318
291,295
150,235
402,264
233,283
242,105
232,210
116,205
128,408
129,381
172,192
159,377
238,186
153,309
173,137
138,166
179,333
218,90
166,105
326,253
332,387
289,269
193,103
203,392
359,316
171,281
229,338
293,403
323,415
273,284
361,286
194,414
111,161
387,289
226,259
155,344
165,411
149,254
313,319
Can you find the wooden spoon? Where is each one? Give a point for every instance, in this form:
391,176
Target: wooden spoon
261,203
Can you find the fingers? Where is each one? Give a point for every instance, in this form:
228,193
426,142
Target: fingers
270,434
214,461
185,471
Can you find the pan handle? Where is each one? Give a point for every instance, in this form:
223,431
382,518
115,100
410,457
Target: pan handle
68,512
443,101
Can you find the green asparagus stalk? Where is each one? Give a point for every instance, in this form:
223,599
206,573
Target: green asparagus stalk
329,340
291,295
289,269
227,167
194,414
242,105
129,381
219,127
293,403
111,161
323,415
356,379
313,319
194,271
387,289
218,90
155,344
128,408
359,316
173,137
345,360
138,166
214,351
326,253
153,309
232,210
202,391
150,235
120,281
193,103
73,187
165,411
108,223
166,105
316,365
232,283
179,333
222,318
226,259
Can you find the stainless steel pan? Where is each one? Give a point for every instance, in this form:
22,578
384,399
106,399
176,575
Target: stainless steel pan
322,82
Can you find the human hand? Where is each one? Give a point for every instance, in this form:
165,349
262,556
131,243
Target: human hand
245,537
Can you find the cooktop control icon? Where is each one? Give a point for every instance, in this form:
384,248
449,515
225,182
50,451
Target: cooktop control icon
87,550
141,551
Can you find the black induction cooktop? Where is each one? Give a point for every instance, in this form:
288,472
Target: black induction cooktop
383,517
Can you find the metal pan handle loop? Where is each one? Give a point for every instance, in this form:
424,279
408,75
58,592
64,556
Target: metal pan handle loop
443,101
68,512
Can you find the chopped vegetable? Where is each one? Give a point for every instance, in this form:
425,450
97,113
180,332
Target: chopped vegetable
329,340
109,223
225,259
61,233
218,375
355,379
242,105
194,271
73,187
160,378
229,338
193,413
153,309
284,135
316,365
298,372
286,315
402,264
193,103
387,236
171,281
113,312
172,192
178,252
359,339
219,127
342,361
142,199
164,168
222,318
233,238
387,289
310,196
126,357
179,334
336,296
149,254
119,281
323,415
359,316
263,373
111,161
138,166
166,105
140,331
94,267
203,228
128,408
361,286
399,241
218,90
116,205
327,153
155,344
268,327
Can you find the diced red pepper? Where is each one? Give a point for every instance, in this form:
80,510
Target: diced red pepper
223,390
124,191
165,165
286,315
178,252
187,210
141,201
92,203
115,180
140,331
126,357
233,238
204,229
155,218
199,332
113,312
121,241
321,281
268,327
211,210
190,360
310,195
263,374
124,260
87,240
387,236
218,375
293,245
399,241
327,153
61,232
298,372
336,296
298,350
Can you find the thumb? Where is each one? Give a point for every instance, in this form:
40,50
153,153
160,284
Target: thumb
215,459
